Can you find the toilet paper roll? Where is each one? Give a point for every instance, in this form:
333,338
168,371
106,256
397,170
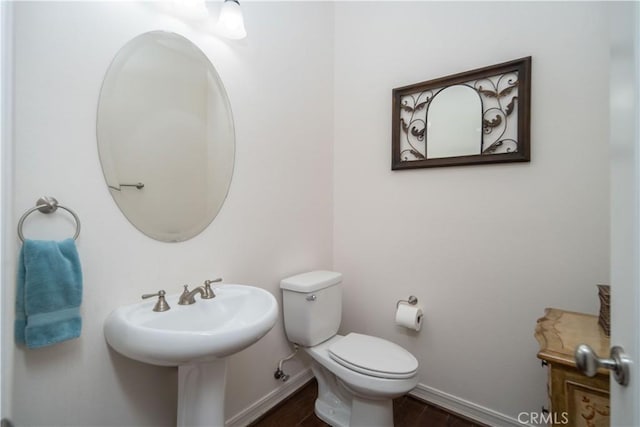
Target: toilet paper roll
409,316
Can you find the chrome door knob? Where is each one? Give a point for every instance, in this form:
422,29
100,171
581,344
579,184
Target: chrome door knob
588,363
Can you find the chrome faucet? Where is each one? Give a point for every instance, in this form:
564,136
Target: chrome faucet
205,291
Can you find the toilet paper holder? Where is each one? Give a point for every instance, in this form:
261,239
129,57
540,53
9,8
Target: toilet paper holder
411,301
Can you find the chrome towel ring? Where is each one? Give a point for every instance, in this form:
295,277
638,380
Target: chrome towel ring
47,205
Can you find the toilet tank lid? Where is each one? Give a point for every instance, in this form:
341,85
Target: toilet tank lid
311,281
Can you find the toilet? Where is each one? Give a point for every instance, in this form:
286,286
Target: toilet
358,375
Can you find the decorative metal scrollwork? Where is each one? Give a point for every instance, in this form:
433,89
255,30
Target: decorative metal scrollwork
504,94
498,102
414,128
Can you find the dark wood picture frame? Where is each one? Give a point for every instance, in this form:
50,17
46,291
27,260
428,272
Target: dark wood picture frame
489,87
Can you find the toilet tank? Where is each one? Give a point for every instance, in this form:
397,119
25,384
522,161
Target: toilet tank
312,306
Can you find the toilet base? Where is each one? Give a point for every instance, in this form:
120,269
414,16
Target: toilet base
361,414
332,411
339,407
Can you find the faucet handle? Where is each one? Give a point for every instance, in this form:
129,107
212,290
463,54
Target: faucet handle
162,304
160,293
208,292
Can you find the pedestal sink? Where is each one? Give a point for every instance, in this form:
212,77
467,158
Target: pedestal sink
197,339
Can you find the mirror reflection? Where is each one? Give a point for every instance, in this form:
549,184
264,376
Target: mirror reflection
165,136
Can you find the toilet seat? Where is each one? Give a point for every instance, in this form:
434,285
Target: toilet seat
373,356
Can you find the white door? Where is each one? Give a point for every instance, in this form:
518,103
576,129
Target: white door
625,210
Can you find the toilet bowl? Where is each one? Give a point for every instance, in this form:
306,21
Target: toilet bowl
358,375
347,397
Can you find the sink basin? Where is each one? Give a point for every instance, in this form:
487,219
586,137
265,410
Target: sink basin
237,317
196,338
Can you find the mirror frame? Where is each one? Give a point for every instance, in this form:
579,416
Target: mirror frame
489,119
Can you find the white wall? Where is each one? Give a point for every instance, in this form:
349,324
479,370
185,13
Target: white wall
279,81
484,248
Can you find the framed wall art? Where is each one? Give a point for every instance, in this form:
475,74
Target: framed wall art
474,117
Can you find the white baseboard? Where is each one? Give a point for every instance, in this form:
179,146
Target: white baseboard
263,405
464,407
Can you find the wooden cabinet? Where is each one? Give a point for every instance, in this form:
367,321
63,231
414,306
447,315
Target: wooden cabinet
575,399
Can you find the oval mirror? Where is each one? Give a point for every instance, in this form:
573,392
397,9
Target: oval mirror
165,136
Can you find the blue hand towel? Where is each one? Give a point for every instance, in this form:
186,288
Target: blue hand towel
49,293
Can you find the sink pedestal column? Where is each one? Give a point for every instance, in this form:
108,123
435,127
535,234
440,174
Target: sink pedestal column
201,391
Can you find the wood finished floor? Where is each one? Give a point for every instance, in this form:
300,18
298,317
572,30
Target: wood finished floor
297,411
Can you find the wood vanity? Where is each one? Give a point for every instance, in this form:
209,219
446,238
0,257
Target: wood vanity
575,399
